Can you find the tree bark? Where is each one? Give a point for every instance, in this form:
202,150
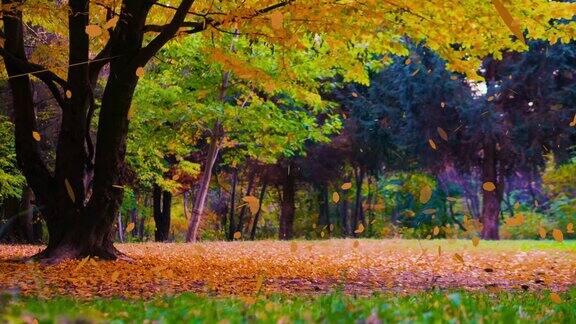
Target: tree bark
358,211
288,208
162,210
200,198
490,199
232,226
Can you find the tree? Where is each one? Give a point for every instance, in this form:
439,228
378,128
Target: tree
83,192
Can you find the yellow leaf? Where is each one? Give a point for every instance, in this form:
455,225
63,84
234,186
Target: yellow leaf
408,61
112,22
442,134
253,203
276,20
36,136
425,194
512,24
542,232
335,197
70,190
360,229
93,31
557,235
489,186
432,144
555,298
458,257
322,234
140,72
346,186
129,227
573,123
436,231
68,94
237,235
114,276
475,241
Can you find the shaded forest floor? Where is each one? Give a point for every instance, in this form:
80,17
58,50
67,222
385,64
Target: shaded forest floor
247,269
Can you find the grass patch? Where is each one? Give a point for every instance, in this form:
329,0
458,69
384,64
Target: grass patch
429,307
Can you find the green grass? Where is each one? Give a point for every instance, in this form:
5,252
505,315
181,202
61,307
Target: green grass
430,307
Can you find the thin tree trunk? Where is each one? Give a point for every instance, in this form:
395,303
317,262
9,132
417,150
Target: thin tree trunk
257,216
324,206
288,207
202,193
120,228
490,199
249,188
358,211
231,221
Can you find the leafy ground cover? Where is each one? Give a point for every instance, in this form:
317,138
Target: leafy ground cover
429,307
360,267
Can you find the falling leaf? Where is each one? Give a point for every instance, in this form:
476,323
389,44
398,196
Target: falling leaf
425,194
573,123
432,144
360,229
70,190
542,232
429,211
475,241
555,298
408,61
354,94
237,235
68,94
512,24
36,136
442,133
452,199
409,213
557,235
322,234
129,227
458,257
346,186
93,31
114,276
436,231
140,72
276,20
112,22
253,203
570,228
489,186
335,197
443,104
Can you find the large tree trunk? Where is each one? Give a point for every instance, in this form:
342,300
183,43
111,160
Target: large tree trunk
200,198
80,200
490,199
288,208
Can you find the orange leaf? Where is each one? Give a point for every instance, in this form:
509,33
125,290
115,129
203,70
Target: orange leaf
346,186
293,247
489,186
555,298
129,227
458,257
442,133
276,20
360,229
557,235
570,228
512,24
237,235
542,232
68,94
36,136
432,144
114,276
112,22
425,194
140,72
253,203
475,241
93,31
335,197
436,231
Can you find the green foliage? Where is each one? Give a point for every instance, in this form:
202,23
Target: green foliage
428,307
11,180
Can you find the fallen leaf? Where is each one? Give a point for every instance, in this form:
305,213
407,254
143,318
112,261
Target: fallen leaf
356,244
458,257
93,31
140,72
555,298
475,241
36,136
542,232
335,197
425,194
253,203
557,235
114,275
129,227
346,186
442,133
489,186
259,283
70,190
293,247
